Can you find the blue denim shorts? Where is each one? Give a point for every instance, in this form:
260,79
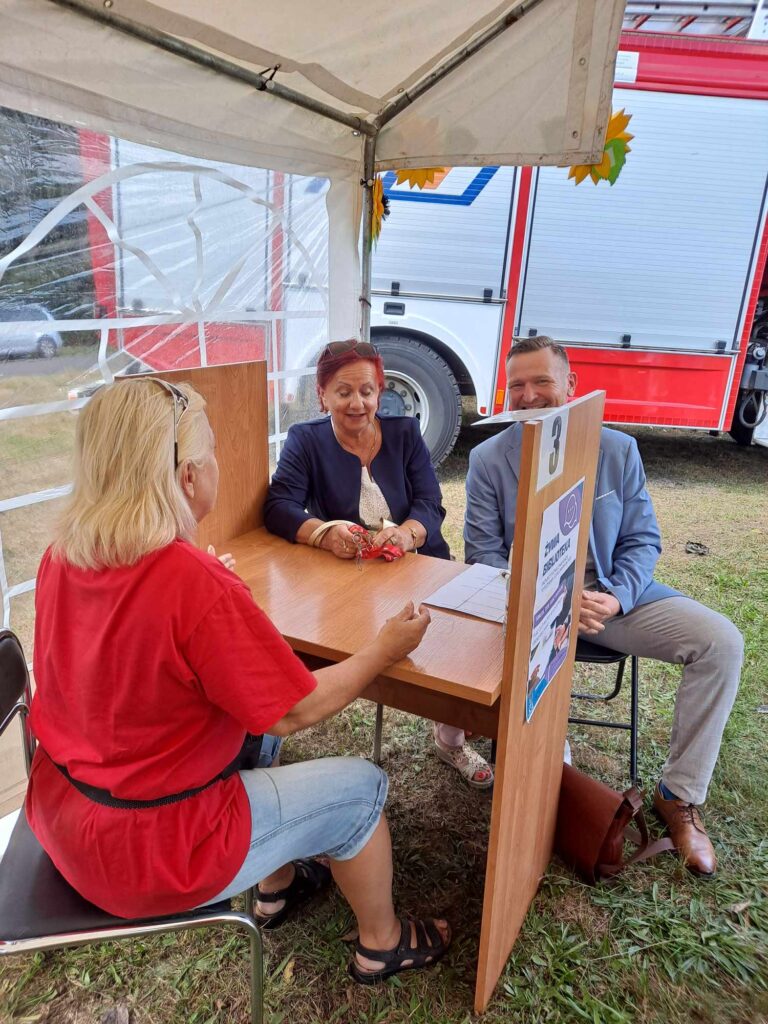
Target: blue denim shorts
328,806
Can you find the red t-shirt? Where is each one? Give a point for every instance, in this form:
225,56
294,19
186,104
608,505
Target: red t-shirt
148,678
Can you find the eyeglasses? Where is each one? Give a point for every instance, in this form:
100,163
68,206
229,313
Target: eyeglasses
338,348
180,404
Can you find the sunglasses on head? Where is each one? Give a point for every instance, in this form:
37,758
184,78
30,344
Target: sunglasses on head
180,404
338,348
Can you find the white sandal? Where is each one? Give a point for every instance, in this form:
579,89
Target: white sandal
467,763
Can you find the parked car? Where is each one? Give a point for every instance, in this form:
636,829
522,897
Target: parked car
36,337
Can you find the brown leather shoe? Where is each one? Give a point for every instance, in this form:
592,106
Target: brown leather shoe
687,832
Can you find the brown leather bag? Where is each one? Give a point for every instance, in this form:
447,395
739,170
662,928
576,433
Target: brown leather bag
594,822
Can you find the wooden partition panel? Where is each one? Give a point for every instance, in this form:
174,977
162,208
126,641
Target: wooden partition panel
237,408
530,753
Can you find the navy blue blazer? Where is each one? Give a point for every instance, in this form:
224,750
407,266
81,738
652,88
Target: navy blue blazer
317,479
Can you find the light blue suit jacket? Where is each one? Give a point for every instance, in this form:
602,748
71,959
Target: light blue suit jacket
624,538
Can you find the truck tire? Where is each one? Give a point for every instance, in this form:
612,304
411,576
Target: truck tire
740,433
420,383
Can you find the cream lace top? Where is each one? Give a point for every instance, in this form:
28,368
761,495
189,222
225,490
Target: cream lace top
373,507
373,504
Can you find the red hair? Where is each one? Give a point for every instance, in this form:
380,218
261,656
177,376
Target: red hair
329,365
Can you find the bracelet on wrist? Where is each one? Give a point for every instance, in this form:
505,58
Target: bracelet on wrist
317,536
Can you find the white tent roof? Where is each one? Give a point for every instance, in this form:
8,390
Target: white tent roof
538,93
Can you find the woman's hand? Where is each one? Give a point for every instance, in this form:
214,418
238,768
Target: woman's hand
226,560
339,541
338,685
403,632
396,536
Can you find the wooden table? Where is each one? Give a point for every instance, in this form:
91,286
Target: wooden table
327,609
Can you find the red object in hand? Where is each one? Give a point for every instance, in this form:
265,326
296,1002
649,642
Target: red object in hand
387,551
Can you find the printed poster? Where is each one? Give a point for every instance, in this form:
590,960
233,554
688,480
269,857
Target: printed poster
553,602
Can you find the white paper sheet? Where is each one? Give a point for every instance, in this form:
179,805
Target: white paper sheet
481,591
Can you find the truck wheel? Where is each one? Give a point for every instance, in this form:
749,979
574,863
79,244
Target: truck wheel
420,383
745,403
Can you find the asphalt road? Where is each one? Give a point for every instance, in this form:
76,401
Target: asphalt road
35,366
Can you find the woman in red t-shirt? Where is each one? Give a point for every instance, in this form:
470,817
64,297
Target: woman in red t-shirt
156,677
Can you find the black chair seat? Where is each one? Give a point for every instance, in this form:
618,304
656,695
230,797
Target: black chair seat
587,651
35,900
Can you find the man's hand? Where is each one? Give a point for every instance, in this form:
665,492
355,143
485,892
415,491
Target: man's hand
596,609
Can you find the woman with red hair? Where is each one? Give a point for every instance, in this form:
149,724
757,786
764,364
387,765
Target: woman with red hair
354,467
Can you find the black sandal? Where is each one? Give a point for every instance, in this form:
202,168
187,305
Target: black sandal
311,877
430,947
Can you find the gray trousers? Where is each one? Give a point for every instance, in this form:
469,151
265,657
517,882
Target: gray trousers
710,648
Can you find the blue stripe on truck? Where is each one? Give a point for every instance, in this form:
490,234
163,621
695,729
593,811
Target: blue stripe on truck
468,196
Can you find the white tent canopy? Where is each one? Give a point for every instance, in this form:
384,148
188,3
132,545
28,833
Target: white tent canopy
536,91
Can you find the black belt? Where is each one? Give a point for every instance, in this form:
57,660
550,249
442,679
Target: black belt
247,758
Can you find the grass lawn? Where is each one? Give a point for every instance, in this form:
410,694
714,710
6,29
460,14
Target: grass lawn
653,946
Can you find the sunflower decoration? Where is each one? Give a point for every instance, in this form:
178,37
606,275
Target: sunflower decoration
420,177
379,208
617,139
415,177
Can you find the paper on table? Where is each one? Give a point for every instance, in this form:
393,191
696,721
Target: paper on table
480,591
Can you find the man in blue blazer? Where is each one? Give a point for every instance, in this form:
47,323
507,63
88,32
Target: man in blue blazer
622,606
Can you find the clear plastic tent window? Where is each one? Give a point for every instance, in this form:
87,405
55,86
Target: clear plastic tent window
120,258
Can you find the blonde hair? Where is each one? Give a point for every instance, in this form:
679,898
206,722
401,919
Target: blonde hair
127,498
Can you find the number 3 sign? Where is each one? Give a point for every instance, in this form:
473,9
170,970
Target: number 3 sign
552,452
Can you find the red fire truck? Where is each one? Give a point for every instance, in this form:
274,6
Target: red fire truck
657,285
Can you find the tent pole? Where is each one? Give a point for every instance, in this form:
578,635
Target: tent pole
369,173
404,99
180,48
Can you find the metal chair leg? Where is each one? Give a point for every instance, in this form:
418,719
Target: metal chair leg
634,696
377,734
605,697
257,964
257,979
632,725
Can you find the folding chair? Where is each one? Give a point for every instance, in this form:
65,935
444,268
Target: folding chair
39,910
593,654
